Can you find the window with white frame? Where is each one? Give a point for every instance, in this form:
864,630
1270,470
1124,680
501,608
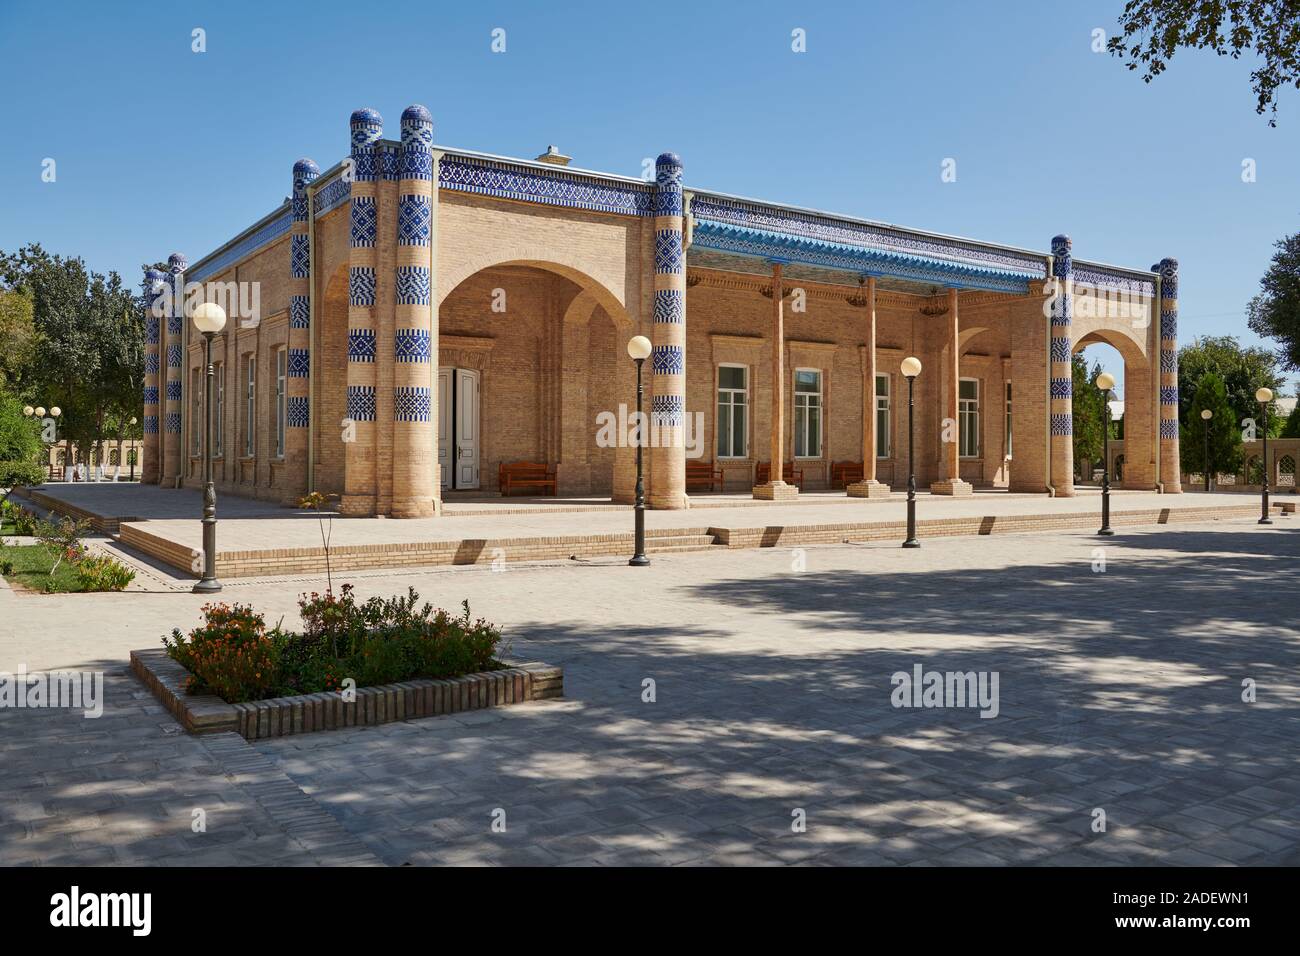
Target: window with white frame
219,409
250,407
733,410
968,417
807,413
1007,423
882,416
281,399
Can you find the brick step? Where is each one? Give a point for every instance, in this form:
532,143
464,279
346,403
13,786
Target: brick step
685,542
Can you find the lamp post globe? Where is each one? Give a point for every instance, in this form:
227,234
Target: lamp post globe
1105,382
40,411
1264,396
55,412
209,318
639,349
911,368
29,411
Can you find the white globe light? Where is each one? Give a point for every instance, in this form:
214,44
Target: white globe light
29,411
1264,395
1206,414
911,367
40,411
55,412
209,317
639,347
1105,381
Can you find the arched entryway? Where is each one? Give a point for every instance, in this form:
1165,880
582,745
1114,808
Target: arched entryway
530,353
1134,390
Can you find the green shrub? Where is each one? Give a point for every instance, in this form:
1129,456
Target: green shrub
24,521
231,654
378,641
6,567
103,573
17,473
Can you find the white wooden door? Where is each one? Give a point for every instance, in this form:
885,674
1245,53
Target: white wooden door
467,439
444,426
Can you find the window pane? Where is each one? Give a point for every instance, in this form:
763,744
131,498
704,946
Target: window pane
729,376
807,381
882,433
814,432
800,427
969,388
882,385
724,427
738,431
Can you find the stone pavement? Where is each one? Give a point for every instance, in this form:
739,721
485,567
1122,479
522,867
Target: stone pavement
1119,691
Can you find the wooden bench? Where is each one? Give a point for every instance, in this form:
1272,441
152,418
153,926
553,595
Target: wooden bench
844,473
791,476
703,473
526,475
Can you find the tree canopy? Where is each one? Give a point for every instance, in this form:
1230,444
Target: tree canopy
1242,370
1224,429
1275,312
1154,30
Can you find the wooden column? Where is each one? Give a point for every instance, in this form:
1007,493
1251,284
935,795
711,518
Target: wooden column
776,489
869,487
951,483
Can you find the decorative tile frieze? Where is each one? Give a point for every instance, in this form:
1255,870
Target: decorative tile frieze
361,345
332,195
670,306
506,181
1063,424
151,363
299,312
412,285
173,423
174,390
150,424
364,222
1169,429
668,360
411,404
151,395
1060,348
227,256
411,345
299,363
1062,388
1169,395
414,215
880,238
669,256
299,256
667,410
173,356
361,403
151,326
361,286
299,411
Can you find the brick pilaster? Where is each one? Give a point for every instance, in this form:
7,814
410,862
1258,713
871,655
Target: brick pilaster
1170,466
360,479
173,463
668,360
1061,387
416,491
154,286
298,421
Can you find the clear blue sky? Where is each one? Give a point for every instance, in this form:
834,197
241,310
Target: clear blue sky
161,149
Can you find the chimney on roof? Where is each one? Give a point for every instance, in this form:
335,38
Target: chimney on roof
554,157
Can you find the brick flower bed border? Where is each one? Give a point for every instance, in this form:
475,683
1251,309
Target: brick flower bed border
281,716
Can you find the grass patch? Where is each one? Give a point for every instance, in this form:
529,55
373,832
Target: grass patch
31,569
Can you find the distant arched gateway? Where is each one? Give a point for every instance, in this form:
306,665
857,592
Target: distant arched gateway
419,317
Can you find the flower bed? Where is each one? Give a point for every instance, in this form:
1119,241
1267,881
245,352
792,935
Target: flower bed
344,644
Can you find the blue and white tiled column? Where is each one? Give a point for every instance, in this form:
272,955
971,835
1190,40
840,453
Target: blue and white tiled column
668,360
360,478
298,398
154,286
173,468
1061,413
1170,465
416,492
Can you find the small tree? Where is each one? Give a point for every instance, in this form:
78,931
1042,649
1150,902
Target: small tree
1275,312
315,502
20,446
1225,431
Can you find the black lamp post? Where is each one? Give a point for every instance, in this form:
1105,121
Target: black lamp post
209,318
1264,396
1105,382
638,347
1206,415
911,368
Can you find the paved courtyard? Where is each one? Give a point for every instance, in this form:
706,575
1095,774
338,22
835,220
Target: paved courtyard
1120,691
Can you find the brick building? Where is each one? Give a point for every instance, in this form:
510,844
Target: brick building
416,315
